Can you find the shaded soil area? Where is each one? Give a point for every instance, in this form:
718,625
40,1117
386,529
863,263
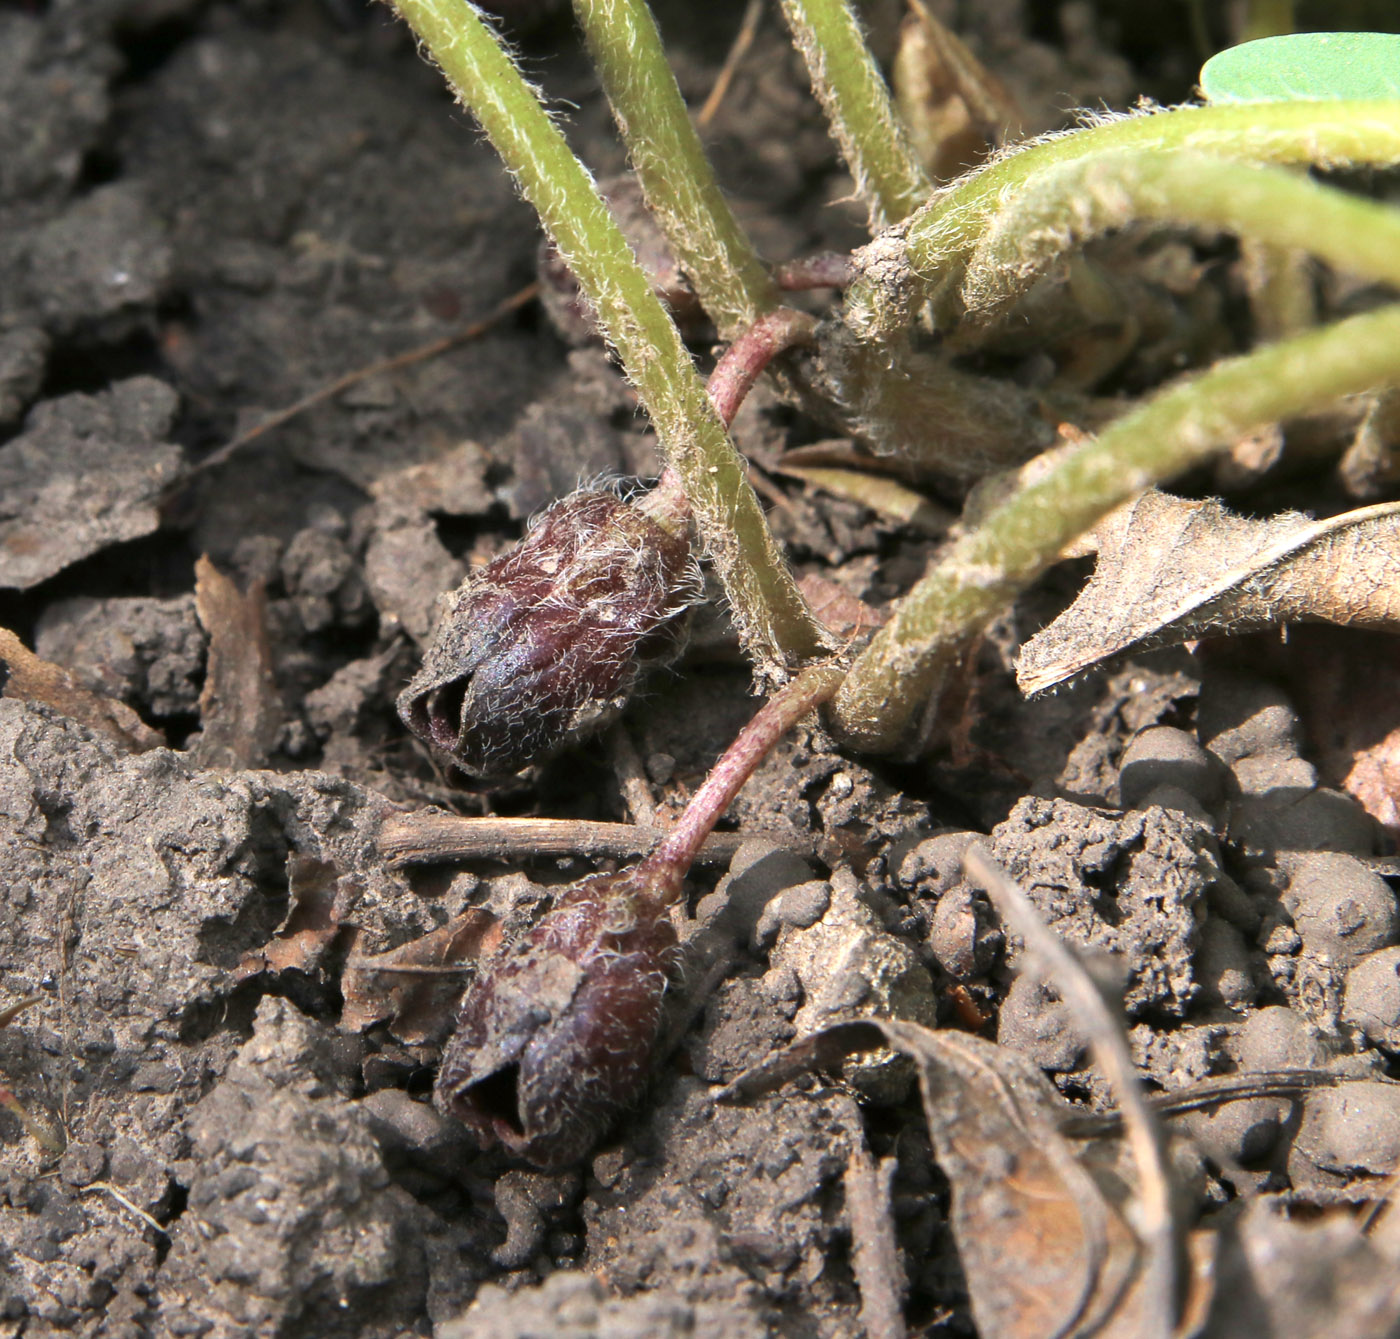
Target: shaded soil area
214,1112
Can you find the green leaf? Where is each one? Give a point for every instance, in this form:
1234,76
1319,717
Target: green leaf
1305,67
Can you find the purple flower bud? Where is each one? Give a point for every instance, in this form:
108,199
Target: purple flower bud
545,644
555,1037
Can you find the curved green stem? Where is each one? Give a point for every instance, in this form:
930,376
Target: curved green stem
924,259
773,619
900,674
1065,205
670,162
858,108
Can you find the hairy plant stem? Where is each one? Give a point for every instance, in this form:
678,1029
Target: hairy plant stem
900,674
923,260
858,108
774,621
1065,205
670,162
677,850
742,363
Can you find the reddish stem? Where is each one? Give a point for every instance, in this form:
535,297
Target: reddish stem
827,269
744,360
676,851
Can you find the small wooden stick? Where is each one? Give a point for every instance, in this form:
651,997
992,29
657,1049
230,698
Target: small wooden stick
433,837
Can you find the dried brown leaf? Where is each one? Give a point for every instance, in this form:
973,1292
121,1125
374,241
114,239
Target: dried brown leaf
952,105
320,902
845,614
416,986
238,707
1171,570
1047,1251
27,677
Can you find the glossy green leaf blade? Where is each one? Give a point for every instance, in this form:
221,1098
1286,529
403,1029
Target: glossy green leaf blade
1305,67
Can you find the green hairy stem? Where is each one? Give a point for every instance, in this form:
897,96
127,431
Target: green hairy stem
670,162
1065,205
924,260
858,108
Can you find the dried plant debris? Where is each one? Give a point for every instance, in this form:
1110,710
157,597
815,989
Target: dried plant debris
31,679
1171,570
316,920
88,471
239,707
415,987
1048,1249
954,108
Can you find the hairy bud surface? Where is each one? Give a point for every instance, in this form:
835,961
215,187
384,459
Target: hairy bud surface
555,1037
545,644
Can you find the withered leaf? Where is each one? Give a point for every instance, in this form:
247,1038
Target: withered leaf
1172,570
844,614
238,707
415,985
26,676
953,107
320,901
1046,1249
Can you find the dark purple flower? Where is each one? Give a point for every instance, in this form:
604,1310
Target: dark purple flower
555,1037
545,644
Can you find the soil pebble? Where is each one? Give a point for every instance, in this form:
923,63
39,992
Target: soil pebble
1341,909
1371,1001
1164,756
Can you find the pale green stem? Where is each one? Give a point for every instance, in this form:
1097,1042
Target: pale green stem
858,108
924,259
1065,205
882,705
670,162
773,619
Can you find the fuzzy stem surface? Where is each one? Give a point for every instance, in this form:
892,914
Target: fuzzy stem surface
1066,205
899,675
774,621
743,361
858,108
923,260
670,162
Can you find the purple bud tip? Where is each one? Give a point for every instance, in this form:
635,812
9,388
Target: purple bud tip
545,644
555,1037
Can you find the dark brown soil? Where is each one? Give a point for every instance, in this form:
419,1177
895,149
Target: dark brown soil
209,211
